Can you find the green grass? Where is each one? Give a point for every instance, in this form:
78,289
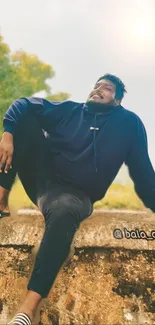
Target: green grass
117,197
120,197
18,198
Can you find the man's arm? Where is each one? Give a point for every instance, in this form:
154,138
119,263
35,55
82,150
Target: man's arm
140,167
48,113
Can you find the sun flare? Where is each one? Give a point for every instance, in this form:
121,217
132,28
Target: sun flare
141,24
142,30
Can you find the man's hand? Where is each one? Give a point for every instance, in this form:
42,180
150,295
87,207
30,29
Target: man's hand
6,152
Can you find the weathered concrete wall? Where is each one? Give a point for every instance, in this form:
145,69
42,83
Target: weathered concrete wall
105,280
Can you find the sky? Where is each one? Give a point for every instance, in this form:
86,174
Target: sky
85,39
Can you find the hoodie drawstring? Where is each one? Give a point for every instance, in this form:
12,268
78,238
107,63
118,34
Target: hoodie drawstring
94,128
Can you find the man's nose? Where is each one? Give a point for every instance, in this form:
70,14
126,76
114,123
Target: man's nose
100,88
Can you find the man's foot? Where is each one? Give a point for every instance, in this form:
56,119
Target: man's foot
20,319
24,316
25,308
28,307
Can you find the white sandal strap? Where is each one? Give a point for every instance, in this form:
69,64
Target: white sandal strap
21,319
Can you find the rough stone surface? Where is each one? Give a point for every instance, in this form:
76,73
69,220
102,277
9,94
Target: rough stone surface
105,281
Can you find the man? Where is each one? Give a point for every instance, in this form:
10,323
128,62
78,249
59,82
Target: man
66,156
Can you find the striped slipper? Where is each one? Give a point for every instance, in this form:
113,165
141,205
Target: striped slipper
21,319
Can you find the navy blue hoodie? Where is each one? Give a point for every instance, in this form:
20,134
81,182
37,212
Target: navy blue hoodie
89,148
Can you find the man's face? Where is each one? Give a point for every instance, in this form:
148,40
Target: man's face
104,93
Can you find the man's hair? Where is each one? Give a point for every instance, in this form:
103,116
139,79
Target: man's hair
120,87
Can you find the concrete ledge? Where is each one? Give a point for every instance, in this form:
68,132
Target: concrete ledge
106,281
24,229
96,231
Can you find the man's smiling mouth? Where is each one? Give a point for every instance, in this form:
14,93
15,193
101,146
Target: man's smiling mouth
100,96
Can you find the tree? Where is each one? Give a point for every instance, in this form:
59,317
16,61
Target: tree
23,75
32,73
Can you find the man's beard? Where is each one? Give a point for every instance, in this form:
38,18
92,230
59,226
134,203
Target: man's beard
97,107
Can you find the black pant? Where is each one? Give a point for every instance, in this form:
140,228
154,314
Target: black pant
62,205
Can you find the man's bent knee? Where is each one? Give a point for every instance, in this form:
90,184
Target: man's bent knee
77,206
